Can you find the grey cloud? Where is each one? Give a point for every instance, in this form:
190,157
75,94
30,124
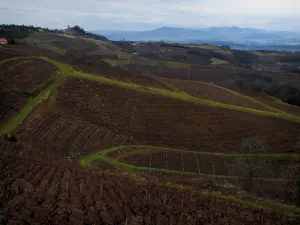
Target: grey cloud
145,14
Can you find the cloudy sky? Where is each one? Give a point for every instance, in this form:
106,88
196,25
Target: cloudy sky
150,14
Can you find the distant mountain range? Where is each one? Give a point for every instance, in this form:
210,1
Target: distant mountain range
211,35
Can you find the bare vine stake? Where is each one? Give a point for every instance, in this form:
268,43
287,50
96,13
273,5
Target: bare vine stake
197,162
182,203
151,160
101,190
80,186
126,221
167,163
182,162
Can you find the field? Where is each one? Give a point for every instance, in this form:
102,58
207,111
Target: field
85,142
21,79
215,93
273,102
195,162
83,116
105,70
218,74
219,171
60,44
38,192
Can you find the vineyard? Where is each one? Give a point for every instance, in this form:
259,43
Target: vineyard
202,170
120,75
221,75
151,151
39,192
215,93
276,103
85,116
195,162
21,79
25,76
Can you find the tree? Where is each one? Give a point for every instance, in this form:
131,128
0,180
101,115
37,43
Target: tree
249,164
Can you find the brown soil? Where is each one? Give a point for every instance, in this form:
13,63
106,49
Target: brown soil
20,79
208,164
209,92
37,192
105,70
85,116
25,75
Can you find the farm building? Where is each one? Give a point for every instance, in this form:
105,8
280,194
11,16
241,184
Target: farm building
3,41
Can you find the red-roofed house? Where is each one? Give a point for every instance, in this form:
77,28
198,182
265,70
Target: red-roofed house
3,41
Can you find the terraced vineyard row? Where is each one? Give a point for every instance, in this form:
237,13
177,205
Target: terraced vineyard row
194,162
120,74
214,93
277,104
218,76
11,103
25,75
45,193
20,79
226,173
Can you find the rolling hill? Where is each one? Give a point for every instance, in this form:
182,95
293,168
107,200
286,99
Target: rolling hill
111,137
246,38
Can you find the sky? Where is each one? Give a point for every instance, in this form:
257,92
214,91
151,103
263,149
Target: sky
151,14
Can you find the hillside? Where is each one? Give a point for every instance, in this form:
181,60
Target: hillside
239,38
100,132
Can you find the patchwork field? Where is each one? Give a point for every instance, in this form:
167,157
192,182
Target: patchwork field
192,141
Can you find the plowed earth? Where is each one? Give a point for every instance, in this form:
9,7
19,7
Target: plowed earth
20,79
214,93
39,192
85,116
